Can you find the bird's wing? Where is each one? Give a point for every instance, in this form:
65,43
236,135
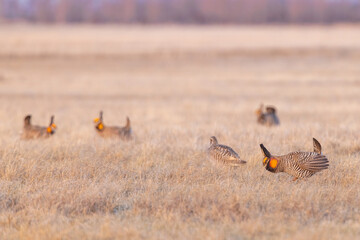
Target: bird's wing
228,152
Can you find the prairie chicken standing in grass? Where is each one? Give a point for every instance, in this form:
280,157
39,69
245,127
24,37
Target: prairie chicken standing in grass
111,131
269,117
224,153
32,131
297,164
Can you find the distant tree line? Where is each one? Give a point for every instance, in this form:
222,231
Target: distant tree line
180,11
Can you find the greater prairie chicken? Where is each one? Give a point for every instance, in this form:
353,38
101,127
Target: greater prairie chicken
297,164
224,153
267,118
31,131
123,133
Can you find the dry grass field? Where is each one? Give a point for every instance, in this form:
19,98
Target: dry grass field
179,86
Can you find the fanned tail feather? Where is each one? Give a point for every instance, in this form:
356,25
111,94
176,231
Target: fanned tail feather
318,163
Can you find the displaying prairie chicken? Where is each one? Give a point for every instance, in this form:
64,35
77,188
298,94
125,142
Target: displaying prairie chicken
32,132
123,133
224,153
267,118
297,164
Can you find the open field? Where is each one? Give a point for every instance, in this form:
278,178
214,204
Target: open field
179,86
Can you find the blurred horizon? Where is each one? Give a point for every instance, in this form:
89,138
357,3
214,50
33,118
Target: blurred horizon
181,11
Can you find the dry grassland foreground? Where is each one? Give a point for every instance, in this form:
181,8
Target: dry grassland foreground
179,86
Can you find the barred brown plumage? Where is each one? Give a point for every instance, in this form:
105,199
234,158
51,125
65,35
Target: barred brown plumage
317,146
224,153
32,131
267,118
124,133
297,164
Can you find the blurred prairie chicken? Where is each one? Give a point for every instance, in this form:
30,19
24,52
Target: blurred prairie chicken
267,118
31,131
112,131
297,164
224,153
